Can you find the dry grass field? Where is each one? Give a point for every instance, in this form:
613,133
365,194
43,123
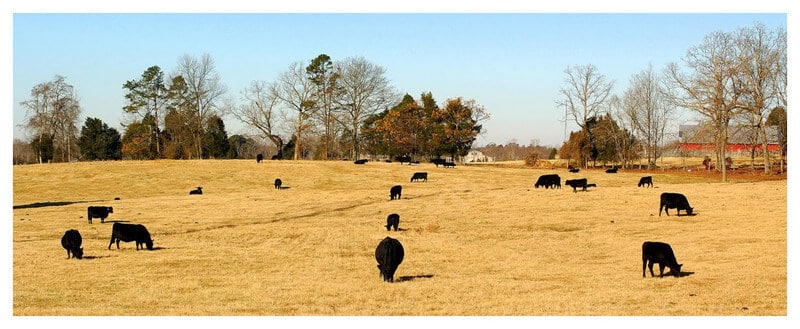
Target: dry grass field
479,240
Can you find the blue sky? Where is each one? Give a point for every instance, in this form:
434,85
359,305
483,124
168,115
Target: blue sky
511,63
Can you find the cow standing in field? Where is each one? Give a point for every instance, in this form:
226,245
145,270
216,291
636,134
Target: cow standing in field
197,191
612,170
393,220
99,212
674,200
278,183
419,176
402,159
131,232
259,158
395,192
449,164
661,253
72,242
548,181
389,255
576,183
438,162
646,181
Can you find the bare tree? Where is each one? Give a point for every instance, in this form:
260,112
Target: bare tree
259,110
52,113
365,90
648,110
296,91
204,88
585,93
709,87
759,52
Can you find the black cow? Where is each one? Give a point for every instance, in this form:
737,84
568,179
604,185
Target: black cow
198,191
402,159
393,220
449,164
661,253
420,176
576,183
360,161
548,181
389,255
438,162
99,212
277,157
72,242
674,200
131,232
612,170
395,192
646,181
572,169
259,158
278,183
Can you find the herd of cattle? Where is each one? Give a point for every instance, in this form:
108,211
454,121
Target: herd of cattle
390,252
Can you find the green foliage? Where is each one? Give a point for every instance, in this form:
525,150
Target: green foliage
215,139
552,154
43,147
99,142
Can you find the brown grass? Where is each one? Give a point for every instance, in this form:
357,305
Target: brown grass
479,240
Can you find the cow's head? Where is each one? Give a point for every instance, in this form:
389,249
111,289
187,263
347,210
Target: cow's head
149,244
676,270
689,210
111,209
78,253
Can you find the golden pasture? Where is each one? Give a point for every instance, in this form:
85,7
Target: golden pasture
479,240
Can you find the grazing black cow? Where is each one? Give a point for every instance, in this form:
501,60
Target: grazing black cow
389,255
197,191
646,181
259,158
548,181
278,183
576,183
438,162
393,220
131,232
360,161
395,192
420,176
572,169
277,157
612,170
402,159
674,200
449,164
99,212
72,242
661,253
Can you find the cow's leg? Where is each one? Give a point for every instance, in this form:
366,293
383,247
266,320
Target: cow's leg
68,256
660,270
650,266
90,219
644,267
112,242
102,220
117,243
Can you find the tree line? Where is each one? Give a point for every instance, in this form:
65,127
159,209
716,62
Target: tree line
737,76
318,109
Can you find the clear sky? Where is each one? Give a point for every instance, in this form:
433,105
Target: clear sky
511,63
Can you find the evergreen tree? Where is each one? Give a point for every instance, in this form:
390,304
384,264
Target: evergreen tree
99,142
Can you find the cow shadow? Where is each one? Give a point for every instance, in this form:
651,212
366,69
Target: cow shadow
683,274
94,257
284,187
51,204
414,277
116,221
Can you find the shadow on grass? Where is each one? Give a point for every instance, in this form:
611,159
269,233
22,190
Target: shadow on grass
50,204
414,277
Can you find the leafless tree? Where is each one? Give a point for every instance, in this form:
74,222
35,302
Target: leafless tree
648,110
365,90
709,87
296,91
53,111
259,110
585,92
204,88
759,53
